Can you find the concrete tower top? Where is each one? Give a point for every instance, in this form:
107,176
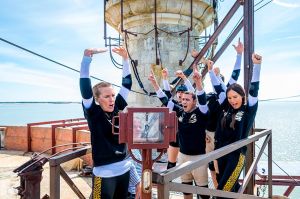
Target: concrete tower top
177,12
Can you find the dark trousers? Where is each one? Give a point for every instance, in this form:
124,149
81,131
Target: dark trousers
230,168
110,188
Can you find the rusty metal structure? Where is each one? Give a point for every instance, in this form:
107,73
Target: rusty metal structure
31,171
75,124
147,129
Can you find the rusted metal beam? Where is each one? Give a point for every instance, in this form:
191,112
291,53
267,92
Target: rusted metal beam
29,125
228,41
53,127
210,41
289,191
276,182
248,65
74,133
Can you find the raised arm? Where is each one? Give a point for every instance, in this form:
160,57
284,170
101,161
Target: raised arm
221,92
126,73
201,96
85,82
239,48
187,82
160,94
254,86
165,76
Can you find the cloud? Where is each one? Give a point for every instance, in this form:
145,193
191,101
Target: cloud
286,4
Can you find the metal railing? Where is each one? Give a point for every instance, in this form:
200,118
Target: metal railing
54,124
56,171
164,179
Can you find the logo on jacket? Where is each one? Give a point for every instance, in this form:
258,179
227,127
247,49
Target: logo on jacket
193,118
239,116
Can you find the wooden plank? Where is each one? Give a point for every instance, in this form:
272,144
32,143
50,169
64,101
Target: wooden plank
163,191
71,184
69,156
211,192
54,182
253,166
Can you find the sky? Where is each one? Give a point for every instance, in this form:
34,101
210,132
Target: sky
61,30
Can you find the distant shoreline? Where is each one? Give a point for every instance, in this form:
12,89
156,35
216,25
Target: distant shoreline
40,102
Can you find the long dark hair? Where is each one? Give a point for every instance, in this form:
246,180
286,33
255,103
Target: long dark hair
240,90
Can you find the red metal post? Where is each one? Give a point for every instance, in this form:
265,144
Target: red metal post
147,174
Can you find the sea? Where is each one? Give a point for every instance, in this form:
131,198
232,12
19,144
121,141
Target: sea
282,117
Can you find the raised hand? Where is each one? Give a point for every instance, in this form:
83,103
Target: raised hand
180,74
194,53
210,64
153,81
197,77
239,48
256,59
89,52
121,51
165,73
217,71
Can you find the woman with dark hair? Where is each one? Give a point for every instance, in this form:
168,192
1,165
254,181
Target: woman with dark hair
235,120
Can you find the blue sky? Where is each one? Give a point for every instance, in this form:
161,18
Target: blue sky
61,30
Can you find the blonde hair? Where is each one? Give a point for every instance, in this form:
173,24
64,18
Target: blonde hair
96,90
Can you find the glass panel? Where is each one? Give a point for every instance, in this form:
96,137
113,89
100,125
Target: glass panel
148,127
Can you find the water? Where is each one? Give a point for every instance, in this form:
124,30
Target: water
282,117
22,113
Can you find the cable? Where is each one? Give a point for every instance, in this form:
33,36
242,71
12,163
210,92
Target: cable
279,98
254,11
280,167
263,5
63,65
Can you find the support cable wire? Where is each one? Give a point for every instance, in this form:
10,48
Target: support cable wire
51,60
63,65
115,63
279,98
296,181
188,72
135,70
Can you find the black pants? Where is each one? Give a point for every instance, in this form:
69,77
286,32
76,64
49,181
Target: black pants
230,168
110,188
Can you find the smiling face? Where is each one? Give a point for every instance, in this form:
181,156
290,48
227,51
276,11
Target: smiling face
188,102
234,99
235,96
